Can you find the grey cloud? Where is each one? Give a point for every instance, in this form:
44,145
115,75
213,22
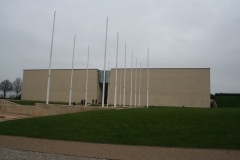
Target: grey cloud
179,34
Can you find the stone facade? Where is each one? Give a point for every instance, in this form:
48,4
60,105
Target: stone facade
35,85
189,87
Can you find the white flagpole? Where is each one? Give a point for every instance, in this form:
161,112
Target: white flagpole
124,84
147,76
103,92
139,89
108,81
115,91
70,96
120,96
87,79
136,85
49,71
131,82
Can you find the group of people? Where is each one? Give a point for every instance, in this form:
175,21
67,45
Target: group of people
93,101
83,102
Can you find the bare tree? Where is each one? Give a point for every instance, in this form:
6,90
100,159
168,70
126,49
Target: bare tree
17,85
6,86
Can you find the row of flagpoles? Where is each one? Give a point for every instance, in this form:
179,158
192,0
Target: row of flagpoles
104,80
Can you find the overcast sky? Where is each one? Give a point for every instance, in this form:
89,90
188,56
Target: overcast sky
180,34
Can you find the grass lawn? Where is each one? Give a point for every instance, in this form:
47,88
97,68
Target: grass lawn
32,103
155,126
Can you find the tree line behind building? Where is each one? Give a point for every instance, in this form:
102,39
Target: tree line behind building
8,87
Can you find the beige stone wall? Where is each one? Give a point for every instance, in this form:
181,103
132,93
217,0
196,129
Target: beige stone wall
167,87
188,87
41,109
35,85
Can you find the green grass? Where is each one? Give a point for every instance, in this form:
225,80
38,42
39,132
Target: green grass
32,103
155,126
96,104
228,101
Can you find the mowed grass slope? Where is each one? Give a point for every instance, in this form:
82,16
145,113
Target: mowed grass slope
155,126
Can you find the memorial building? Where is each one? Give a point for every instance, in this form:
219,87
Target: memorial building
189,87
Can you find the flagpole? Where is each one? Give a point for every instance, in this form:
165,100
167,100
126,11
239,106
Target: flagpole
103,92
136,84
49,71
139,89
108,81
131,82
120,96
70,95
147,76
115,91
87,79
124,84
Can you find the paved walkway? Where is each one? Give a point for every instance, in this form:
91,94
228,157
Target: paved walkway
110,151
10,116
13,154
